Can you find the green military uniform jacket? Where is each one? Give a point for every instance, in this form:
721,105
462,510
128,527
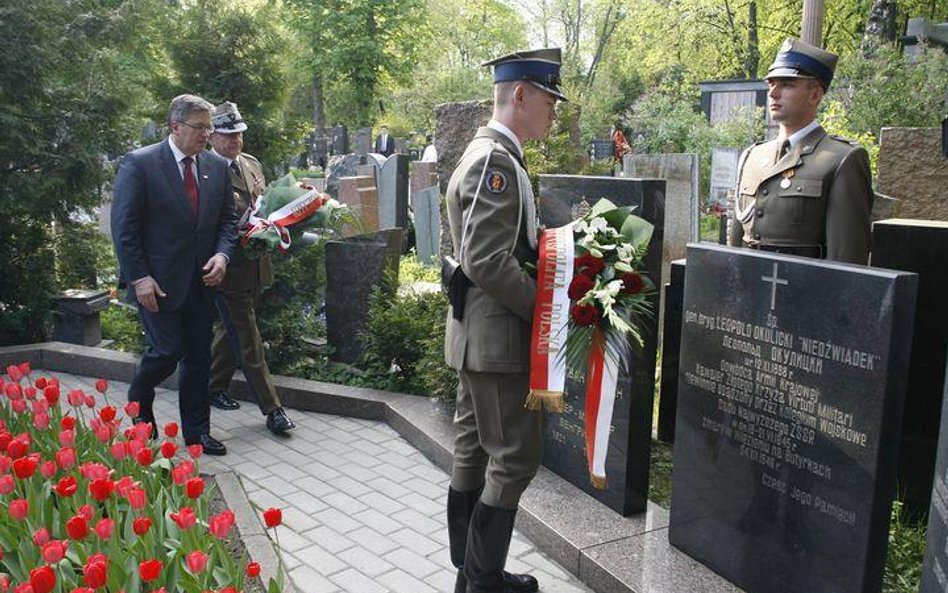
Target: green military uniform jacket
494,334
244,273
818,194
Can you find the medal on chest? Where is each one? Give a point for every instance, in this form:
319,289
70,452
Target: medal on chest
787,176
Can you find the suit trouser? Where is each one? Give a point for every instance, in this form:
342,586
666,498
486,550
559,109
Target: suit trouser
499,442
178,339
237,338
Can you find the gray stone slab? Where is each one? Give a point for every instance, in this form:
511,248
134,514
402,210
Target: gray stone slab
393,192
426,205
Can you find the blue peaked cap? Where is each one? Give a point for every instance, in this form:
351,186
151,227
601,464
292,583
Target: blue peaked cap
540,67
797,59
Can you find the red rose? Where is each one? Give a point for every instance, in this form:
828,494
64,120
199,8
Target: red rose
101,385
253,569
272,517
95,571
589,265
141,525
67,486
632,283
194,487
42,579
579,287
77,528
101,488
584,314
149,570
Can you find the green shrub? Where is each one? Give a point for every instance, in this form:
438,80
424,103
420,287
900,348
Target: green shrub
903,566
410,270
120,324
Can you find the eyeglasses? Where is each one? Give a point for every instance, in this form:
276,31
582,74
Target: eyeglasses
207,129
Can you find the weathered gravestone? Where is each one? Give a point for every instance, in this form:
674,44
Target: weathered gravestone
919,246
912,169
723,176
77,316
934,577
354,267
358,193
671,351
393,192
792,379
362,140
345,165
426,208
564,198
340,140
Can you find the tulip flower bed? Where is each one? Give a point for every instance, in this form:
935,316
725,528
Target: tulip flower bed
87,505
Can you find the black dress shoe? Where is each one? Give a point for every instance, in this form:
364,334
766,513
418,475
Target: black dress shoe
210,445
222,401
278,423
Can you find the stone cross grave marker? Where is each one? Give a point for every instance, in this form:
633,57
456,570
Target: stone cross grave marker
791,383
564,198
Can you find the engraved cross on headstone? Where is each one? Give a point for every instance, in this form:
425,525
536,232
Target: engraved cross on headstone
774,281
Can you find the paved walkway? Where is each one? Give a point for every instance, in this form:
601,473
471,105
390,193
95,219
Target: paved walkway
363,510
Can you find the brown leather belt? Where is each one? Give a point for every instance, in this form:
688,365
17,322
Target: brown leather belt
815,251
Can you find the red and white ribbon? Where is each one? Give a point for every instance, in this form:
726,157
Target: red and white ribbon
550,318
601,382
292,213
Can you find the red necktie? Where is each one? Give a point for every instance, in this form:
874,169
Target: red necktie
190,184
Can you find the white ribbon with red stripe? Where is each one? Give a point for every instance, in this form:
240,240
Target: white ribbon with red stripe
292,213
601,382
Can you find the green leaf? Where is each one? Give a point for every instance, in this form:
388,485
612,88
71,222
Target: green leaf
637,231
600,208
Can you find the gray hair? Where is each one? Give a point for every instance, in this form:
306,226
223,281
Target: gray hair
184,105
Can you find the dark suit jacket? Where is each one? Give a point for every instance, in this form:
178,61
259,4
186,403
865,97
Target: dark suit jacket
388,148
153,228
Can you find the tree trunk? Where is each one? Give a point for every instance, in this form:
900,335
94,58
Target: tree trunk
811,28
319,112
752,57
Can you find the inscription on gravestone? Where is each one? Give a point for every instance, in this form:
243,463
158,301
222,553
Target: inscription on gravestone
791,383
934,577
564,198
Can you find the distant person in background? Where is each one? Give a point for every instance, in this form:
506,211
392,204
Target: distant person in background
619,143
236,336
805,192
431,154
384,143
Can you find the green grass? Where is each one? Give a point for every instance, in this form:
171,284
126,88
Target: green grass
710,227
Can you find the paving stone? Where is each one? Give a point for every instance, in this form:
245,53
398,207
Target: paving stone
265,499
356,582
442,580
414,563
277,485
361,459
400,581
341,523
388,487
430,473
423,504
249,469
381,503
291,541
305,502
378,521
287,471
423,487
308,580
320,560
351,484
344,502
373,540
315,486
421,523
298,521
365,561
328,538
412,540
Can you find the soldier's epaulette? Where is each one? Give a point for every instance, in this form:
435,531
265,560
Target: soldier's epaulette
845,140
250,157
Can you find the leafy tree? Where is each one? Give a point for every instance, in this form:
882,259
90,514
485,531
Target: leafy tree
224,51
72,85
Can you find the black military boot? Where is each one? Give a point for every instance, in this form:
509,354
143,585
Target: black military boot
488,541
460,508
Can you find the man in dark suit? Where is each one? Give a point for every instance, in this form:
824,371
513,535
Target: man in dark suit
174,229
492,216
236,336
384,144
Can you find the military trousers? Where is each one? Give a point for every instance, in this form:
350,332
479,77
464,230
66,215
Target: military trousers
237,338
499,443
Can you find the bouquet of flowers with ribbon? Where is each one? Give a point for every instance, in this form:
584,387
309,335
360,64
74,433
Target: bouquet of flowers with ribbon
591,295
285,211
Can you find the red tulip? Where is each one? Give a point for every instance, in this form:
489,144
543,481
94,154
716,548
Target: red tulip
18,509
196,561
51,394
29,392
18,405
253,569
185,518
77,528
48,469
123,485
142,431
101,385
168,449
144,457
119,450
95,572
76,398
66,458
67,423
14,373
104,529
55,551
195,450
24,467
136,498
94,471
90,401
67,486
40,421
272,517
194,487
17,448
40,382
41,537
229,590
67,437
42,579
101,488
13,391
149,570
107,414
6,484
132,409
86,512
171,430
221,524
141,525
24,368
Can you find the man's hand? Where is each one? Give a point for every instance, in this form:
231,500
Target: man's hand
215,268
147,292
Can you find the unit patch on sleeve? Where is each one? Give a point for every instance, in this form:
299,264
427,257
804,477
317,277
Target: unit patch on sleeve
496,182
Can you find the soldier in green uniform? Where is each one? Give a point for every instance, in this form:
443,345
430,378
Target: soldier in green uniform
805,192
236,337
492,216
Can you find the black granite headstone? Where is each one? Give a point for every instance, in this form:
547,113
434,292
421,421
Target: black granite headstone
671,351
354,267
602,149
919,246
564,198
77,316
934,578
792,379
340,140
